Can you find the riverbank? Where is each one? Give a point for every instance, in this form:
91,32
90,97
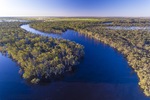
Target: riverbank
101,65
134,44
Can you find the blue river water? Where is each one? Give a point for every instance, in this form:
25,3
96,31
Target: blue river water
103,74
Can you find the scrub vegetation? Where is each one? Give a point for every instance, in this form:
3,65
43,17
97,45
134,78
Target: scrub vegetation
39,57
134,44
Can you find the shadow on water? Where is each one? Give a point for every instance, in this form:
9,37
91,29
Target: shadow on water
104,74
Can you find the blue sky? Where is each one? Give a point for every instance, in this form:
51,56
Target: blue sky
102,8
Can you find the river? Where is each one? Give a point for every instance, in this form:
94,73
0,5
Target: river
104,74
128,28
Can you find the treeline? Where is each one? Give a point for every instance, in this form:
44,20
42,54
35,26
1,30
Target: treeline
39,57
134,44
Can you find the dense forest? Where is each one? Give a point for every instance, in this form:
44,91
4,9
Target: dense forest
39,57
134,44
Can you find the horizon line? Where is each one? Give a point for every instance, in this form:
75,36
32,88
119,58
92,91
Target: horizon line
82,16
